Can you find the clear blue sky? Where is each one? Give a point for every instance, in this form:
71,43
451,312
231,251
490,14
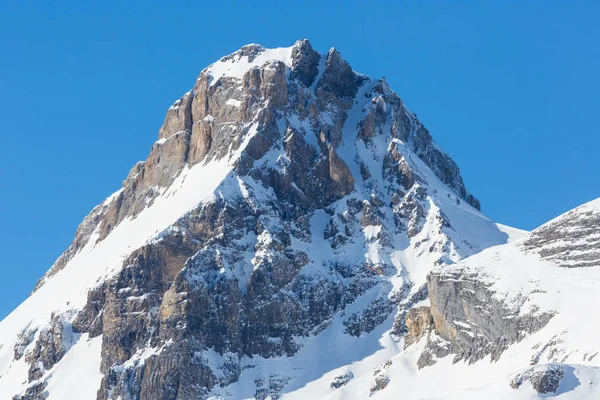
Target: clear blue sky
508,88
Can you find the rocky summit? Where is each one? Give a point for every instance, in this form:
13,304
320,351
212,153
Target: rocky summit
295,232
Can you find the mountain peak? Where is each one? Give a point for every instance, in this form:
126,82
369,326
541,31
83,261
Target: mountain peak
305,62
284,190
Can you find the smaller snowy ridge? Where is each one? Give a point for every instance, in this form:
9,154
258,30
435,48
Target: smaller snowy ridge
237,64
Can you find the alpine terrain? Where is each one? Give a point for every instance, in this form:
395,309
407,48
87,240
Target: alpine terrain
296,233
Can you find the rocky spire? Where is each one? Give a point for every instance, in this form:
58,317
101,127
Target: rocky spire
338,77
305,62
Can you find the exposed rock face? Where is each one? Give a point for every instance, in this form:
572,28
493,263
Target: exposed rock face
366,320
49,347
342,181
305,65
418,322
341,380
381,383
436,348
382,378
338,78
407,298
442,165
571,241
34,392
82,235
25,338
328,172
544,379
179,118
468,316
42,349
164,294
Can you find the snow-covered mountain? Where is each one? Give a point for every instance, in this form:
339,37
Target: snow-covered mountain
295,232
516,321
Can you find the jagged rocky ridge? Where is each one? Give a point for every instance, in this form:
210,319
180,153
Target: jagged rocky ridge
288,199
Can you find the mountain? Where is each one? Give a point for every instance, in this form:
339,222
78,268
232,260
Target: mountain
295,231
514,321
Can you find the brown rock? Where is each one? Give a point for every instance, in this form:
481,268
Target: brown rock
200,141
179,117
418,322
341,177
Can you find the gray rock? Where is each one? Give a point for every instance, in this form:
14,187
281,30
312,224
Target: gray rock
338,77
179,117
544,379
571,241
341,380
369,318
25,338
381,383
36,391
466,314
305,62
51,345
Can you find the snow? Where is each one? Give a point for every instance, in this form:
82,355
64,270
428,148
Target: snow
442,381
177,104
113,196
162,141
233,103
511,232
463,324
77,375
333,353
238,65
580,383
142,355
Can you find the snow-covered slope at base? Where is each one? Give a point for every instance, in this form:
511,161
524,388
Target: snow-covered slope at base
442,381
578,383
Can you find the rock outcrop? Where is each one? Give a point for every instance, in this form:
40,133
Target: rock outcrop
341,380
544,379
570,241
467,316
419,322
